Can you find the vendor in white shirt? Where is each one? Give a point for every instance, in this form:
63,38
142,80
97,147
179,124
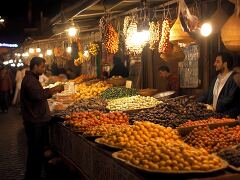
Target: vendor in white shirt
223,93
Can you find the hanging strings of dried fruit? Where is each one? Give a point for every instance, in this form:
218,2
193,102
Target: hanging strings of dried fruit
81,58
93,48
164,44
126,23
111,39
154,30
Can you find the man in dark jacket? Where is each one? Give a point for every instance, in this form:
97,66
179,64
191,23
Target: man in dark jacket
36,115
223,93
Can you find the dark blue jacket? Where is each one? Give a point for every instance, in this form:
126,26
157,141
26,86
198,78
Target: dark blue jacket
228,100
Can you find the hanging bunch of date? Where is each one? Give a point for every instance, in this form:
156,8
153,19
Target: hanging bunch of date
164,44
109,35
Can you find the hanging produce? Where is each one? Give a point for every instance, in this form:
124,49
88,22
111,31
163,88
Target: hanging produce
230,33
164,44
134,41
111,39
154,30
93,48
126,23
82,57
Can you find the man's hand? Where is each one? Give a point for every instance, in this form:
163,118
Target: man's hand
57,89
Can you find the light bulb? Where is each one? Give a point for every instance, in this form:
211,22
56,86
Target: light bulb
38,50
41,55
69,49
72,31
206,29
49,52
31,50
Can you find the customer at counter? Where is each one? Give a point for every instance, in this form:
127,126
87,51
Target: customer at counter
118,69
223,93
172,80
36,116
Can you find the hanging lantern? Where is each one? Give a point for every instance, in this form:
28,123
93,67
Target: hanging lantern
230,33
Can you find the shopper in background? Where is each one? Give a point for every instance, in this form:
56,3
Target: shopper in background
5,88
19,77
172,80
118,68
223,93
36,116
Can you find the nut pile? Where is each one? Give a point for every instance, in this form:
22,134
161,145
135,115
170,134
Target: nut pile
118,92
111,39
164,44
132,103
214,140
231,155
206,122
90,104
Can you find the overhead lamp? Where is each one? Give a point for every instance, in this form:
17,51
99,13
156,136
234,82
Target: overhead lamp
26,54
72,31
86,53
1,20
38,50
5,62
40,55
31,50
206,29
69,49
214,24
10,61
49,52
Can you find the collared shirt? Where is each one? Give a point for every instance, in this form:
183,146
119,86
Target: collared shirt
34,105
219,84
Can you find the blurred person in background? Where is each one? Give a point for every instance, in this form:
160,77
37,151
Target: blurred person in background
19,77
172,80
6,88
119,69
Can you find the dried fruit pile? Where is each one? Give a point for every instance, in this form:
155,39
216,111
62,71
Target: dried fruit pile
118,92
85,120
93,90
174,113
105,129
170,156
206,122
111,39
214,140
90,104
139,134
164,44
132,103
231,155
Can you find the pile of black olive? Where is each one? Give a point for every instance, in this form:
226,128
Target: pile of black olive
175,112
231,155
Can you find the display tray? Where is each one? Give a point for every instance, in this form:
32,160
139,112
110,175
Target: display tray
234,168
91,137
224,166
183,131
107,145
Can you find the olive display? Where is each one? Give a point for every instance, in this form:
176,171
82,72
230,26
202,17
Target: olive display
173,113
118,92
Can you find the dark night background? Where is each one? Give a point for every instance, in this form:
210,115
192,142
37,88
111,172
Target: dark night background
15,13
